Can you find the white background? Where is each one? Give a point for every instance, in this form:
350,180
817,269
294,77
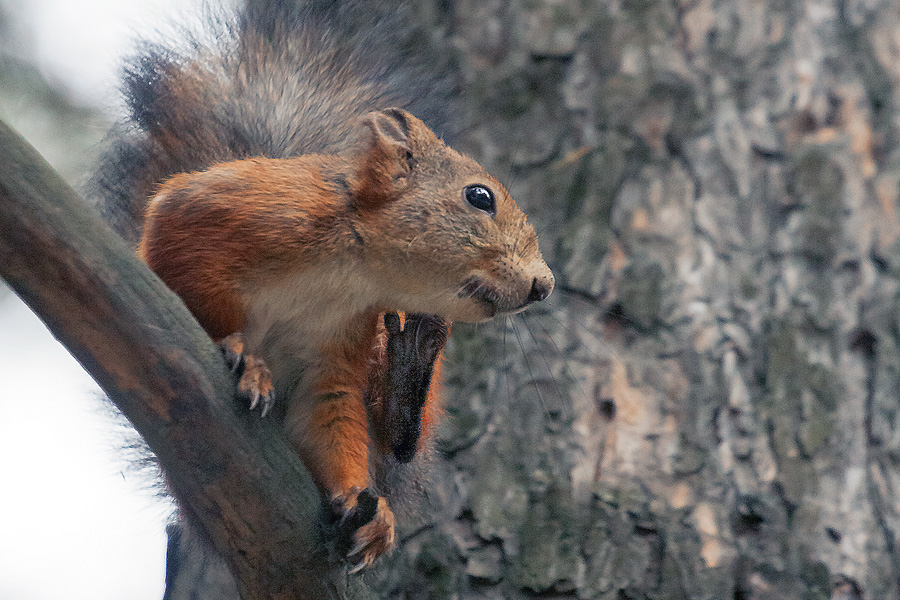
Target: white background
75,522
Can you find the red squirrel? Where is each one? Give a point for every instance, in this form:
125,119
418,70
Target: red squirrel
298,256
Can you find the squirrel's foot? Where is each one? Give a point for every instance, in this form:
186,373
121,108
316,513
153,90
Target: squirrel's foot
366,527
418,344
254,378
411,354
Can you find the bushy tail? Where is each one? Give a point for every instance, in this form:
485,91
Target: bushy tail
279,79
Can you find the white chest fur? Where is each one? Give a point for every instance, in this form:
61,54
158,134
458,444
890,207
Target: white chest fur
290,321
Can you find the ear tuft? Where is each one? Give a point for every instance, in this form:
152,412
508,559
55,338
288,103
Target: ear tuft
387,156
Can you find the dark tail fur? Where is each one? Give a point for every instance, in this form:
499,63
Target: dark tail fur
279,79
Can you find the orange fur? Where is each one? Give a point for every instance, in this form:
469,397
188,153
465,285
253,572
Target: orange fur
304,255
434,408
334,441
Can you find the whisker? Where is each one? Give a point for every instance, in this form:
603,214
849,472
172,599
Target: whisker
565,363
555,317
506,378
528,367
556,384
604,313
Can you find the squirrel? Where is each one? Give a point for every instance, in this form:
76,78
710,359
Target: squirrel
278,181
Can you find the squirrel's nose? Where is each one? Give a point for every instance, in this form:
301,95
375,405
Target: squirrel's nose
540,289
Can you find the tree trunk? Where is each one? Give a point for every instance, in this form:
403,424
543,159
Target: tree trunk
250,495
708,408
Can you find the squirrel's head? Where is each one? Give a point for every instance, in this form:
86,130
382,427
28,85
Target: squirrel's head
445,237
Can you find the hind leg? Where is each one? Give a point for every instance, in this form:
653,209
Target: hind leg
403,394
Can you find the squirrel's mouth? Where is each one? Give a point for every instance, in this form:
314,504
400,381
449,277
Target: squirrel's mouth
486,295
489,297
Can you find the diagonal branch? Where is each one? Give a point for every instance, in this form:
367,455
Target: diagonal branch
245,485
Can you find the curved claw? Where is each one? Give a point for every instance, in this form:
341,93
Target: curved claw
254,379
267,403
358,567
367,527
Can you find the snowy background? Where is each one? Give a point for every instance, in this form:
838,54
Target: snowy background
75,522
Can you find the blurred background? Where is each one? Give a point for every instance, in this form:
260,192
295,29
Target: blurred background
707,406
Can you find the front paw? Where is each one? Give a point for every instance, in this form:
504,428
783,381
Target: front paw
254,378
366,528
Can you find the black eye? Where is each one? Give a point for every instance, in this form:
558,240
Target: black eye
481,198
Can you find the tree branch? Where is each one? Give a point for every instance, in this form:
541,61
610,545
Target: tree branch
234,472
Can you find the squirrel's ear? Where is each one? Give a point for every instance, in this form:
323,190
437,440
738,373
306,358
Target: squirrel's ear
386,156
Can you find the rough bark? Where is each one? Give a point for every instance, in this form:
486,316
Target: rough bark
709,407
235,474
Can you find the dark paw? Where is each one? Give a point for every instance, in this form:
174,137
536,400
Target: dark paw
411,355
417,345
366,527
